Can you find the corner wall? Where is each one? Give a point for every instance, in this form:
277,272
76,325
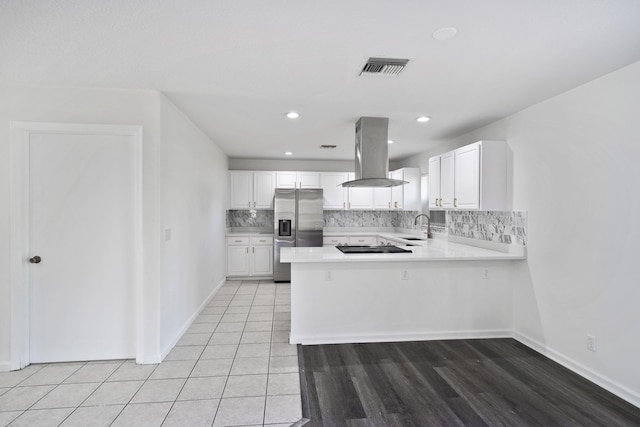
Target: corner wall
575,170
194,182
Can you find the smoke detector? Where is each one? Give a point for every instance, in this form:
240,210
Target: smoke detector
384,66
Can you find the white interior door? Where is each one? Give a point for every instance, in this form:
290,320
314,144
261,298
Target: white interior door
82,225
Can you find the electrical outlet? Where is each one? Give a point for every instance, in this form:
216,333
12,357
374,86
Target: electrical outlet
591,343
404,275
485,274
328,276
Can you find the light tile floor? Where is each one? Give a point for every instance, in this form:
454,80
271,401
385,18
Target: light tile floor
233,367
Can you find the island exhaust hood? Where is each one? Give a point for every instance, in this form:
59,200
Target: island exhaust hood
372,154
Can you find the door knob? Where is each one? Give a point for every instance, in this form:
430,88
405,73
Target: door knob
35,260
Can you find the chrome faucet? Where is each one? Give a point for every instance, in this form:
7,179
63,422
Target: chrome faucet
415,222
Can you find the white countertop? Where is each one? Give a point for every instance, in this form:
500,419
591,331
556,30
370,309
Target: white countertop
431,250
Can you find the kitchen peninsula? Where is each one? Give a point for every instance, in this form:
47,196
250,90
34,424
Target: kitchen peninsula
440,290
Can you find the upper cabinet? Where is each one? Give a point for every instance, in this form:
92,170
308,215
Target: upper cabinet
406,197
359,197
473,177
434,183
298,180
251,190
334,195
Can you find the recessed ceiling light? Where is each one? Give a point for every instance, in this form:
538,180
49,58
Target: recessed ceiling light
445,33
292,115
391,141
288,153
423,119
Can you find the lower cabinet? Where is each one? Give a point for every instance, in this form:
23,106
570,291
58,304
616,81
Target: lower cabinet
249,256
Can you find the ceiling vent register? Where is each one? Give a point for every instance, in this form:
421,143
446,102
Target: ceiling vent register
384,66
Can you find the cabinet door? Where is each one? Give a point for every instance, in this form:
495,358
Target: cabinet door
285,180
359,198
308,179
264,184
447,179
397,192
434,182
262,260
467,177
362,240
238,261
382,198
240,190
335,240
334,195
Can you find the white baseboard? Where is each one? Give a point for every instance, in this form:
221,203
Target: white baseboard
416,336
5,366
189,321
604,382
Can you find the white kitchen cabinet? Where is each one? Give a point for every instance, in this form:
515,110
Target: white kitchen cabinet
382,198
238,256
434,182
447,180
473,177
362,240
249,256
406,197
359,197
251,190
335,240
261,260
298,180
467,177
334,195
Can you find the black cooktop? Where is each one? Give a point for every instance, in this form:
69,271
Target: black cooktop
371,249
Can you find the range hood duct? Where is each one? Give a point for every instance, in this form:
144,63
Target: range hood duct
372,154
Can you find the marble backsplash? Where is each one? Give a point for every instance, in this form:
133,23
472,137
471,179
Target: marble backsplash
250,219
504,227
352,218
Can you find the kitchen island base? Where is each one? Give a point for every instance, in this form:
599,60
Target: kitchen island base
357,302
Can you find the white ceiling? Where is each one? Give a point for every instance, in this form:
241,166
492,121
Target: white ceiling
236,66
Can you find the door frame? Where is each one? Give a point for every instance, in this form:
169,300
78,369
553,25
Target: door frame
20,233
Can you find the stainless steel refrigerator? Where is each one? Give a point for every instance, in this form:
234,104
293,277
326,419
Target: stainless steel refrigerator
298,222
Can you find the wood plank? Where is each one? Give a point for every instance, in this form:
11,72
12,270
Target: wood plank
460,382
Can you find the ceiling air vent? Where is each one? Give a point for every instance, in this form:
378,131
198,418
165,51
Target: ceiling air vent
384,66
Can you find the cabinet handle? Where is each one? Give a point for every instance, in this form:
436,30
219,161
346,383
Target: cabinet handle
349,205
253,250
455,202
249,205
247,250
344,205
389,205
238,241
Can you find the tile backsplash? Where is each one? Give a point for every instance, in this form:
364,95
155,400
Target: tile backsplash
247,219
503,227
352,218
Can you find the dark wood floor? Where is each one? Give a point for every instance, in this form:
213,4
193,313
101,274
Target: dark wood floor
492,382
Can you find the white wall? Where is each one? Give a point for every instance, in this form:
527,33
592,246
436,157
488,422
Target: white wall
51,104
576,171
194,184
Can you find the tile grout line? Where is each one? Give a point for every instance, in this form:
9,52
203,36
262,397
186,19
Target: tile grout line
91,394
